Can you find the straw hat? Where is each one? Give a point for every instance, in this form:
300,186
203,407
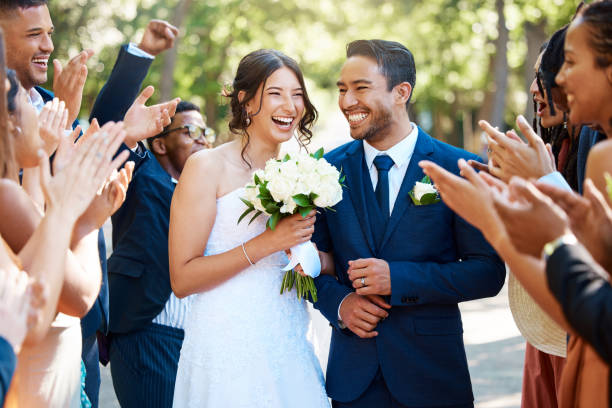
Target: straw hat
533,323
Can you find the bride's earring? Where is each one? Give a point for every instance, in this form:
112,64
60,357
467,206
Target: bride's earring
247,121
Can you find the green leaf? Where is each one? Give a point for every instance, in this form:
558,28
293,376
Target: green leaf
426,180
318,154
286,158
274,218
247,202
271,207
257,214
256,179
304,211
245,213
342,179
429,198
312,197
301,200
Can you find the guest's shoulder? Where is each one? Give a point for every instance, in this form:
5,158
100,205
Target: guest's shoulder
340,152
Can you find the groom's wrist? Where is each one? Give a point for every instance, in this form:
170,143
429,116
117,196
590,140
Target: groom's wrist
340,322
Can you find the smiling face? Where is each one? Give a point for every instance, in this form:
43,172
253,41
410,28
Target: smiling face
587,85
27,33
541,99
364,98
178,145
277,107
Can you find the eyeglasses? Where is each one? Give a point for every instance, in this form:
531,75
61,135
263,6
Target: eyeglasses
195,132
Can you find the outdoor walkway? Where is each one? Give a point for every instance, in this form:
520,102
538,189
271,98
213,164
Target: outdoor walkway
494,346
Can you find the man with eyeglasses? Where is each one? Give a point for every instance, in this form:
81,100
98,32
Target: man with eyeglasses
146,319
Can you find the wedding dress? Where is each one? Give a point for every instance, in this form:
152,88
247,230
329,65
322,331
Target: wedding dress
245,344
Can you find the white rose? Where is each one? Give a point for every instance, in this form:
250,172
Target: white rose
251,193
288,207
272,169
281,188
306,164
420,189
329,193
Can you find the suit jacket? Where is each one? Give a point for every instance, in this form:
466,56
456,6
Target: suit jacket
138,270
436,260
578,283
8,362
112,103
588,139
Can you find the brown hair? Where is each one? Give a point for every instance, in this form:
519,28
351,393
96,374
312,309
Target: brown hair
598,18
8,165
253,70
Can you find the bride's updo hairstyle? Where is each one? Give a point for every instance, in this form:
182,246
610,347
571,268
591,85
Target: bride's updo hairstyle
254,70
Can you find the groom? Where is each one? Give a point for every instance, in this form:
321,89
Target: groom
401,268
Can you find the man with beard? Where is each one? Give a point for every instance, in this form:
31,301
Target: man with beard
402,264
146,319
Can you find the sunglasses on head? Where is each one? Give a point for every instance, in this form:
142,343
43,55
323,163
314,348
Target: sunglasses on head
195,132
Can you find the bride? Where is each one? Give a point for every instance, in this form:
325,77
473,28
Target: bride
245,345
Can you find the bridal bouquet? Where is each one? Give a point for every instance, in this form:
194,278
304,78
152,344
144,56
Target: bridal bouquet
295,184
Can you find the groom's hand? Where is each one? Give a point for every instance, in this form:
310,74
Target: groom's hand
361,314
370,276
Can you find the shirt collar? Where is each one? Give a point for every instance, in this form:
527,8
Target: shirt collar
401,152
36,99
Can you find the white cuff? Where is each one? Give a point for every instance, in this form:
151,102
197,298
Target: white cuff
134,50
555,179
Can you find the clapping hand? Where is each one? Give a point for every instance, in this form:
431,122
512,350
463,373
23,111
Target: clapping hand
107,201
590,219
142,122
158,37
530,217
82,170
52,122
510,156
21,298
68,82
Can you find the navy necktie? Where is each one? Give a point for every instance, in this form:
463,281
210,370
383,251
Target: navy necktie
383,163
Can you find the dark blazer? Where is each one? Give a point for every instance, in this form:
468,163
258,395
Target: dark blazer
113,101
138,270
436,260
578,283
8,362
588,139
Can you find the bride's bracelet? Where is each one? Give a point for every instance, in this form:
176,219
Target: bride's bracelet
246,255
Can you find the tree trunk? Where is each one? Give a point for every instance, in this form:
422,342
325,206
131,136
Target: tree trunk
167,78
500,67
535,35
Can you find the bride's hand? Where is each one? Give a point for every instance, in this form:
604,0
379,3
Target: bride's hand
291,231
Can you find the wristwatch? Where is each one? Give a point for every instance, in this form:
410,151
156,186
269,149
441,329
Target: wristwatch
551,247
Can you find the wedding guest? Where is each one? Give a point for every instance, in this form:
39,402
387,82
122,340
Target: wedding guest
51,366
146,319
29,47
402,267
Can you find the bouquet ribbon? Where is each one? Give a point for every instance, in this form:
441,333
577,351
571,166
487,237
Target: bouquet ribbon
306,255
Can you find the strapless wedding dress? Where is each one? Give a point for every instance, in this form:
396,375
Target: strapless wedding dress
245,344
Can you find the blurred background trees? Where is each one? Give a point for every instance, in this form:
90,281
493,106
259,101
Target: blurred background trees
474,57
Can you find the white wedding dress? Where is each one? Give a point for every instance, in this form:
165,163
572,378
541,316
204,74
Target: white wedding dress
245,344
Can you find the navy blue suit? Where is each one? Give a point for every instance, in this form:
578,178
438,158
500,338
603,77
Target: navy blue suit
436,260
8,362
144,355
588,139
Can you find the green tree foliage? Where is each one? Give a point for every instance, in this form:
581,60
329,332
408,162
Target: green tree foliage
453,42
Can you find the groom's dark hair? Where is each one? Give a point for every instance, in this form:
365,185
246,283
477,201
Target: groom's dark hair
395,61
7,6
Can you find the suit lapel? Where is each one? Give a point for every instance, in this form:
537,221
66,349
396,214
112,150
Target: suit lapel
355,188
422,151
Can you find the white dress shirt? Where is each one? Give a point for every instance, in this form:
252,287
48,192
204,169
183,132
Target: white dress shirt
401,153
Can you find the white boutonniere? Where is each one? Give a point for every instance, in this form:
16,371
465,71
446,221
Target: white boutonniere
424,192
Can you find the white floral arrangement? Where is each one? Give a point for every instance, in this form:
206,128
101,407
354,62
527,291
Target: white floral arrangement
424,192
295,184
